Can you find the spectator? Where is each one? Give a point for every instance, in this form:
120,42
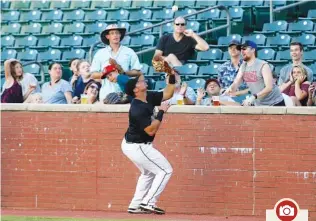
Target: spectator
110,72
84,78
124,58
178,47
228,71
296,49
182,92
297,86
75,74
57,91
34,99
27,81
258,77
311,96
92,93
213,88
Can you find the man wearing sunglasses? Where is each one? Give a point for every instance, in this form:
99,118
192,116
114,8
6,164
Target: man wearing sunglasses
258,77
178,47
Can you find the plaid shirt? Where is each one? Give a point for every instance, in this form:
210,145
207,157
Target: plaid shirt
227,74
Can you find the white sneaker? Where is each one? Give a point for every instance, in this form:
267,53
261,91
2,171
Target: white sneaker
137,211
152,209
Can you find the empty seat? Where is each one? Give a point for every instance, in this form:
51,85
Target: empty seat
275,26
160,85
143,14
142,4
303,25
228,3
143,41
187,69
33,28
60,4
5,4
76,27
74,15
126,40
196,83
184,4
186,11
7,41
32,69
283,55
50,55
43,4
279,40
163,3
121,4
13,28
75,40
8,54
47,41
53,15
101,4
211,54
33,15
209,70
204,4
163,14
124,24
142,25
21,4
259,39
10,16
312,13
225,40
194,25
53,28
305,39
310,55
80,4
26,41
211,14
118,15
266,54
95,15
95,27
75,53
28,55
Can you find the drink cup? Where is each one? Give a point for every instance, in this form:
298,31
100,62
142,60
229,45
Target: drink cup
216,101
84,99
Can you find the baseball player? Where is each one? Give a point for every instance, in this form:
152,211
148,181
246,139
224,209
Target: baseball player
137,143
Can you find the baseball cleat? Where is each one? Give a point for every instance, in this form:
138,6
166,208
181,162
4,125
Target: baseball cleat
152,209
138,211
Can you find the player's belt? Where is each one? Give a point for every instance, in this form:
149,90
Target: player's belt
138,142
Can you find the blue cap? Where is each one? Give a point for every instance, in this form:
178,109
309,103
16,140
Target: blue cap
249,44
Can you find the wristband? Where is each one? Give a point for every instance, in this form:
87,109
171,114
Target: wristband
160,115
172,79
256,96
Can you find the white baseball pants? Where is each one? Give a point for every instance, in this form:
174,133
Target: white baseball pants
155,172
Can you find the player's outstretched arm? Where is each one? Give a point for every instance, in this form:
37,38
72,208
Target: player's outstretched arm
152,129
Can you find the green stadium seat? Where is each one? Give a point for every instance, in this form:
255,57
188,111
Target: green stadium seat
279,40
12,28
312,14
205,4
208,71
126,40
142,4
28,55
20,5
211,54
46,41
163,3
121,4
310,55
188,69
52,28
272,28
250,3
228,3
101,4
88,41
26,41
73,15
185,4
95,15
7,41
160,85
117,15
142,14
43,4
76,27
5,4
74,53
266,54
95,27
259,39
80,4
284,55
28,16
184,12
52,15
10,16
142,41
142,25
166,29
196,83
194,25
50,55
144,68
7,54
57,4
225,40
71,41
211,14
298,27
124,24
162,14
32,28
34,69
305,39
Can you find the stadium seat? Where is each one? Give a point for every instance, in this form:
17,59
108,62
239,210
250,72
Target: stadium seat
142,4
26,41
305,39
186,11
283,55
17,5
312,14
140,14
188,69
28,55
44,42
117,15
248,18
76,27
121,4
60,4
144,68
7,54
163,3
266,54
43,4
196,83
166,28
95,27
310,55
126,40
28,16
74,53
95,15
205,4
88,41
142,41
228,3
13,28
225,40
272,28
73,15
7,41
211,54
101,4
124,24
32,69
185,4
208,15
50,55
160,85
5,4
10,16
52,28
259,39
208,71
80,4
53,15
71,41
32,28
194,25
162,14
298,27
279,40
142,25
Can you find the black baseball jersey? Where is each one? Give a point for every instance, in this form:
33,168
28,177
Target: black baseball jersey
141,115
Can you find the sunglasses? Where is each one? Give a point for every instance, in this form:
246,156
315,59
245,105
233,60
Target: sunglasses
94,87
177,24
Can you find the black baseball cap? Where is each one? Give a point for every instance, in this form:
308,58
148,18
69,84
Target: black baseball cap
235,42
249,44
130,86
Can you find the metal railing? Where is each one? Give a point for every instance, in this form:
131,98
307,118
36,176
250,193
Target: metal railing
220,7
41,70
285,7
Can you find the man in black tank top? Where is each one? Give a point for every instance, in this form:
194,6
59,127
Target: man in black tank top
137,143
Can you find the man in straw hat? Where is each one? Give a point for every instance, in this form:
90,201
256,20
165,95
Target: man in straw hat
123,58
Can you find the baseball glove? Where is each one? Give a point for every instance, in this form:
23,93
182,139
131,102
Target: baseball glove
160,65
117,66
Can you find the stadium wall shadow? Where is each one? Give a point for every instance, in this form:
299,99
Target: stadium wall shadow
227,160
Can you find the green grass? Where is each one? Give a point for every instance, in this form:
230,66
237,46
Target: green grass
24,218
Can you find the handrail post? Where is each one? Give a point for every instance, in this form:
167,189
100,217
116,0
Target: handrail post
160,31
271,11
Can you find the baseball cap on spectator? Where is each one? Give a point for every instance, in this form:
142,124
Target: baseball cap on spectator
130,86
107,70
235,42
108,29
211,80
249,44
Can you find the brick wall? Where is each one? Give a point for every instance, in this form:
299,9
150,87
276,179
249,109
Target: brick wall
224,164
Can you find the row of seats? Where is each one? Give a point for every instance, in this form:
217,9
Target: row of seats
44,4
